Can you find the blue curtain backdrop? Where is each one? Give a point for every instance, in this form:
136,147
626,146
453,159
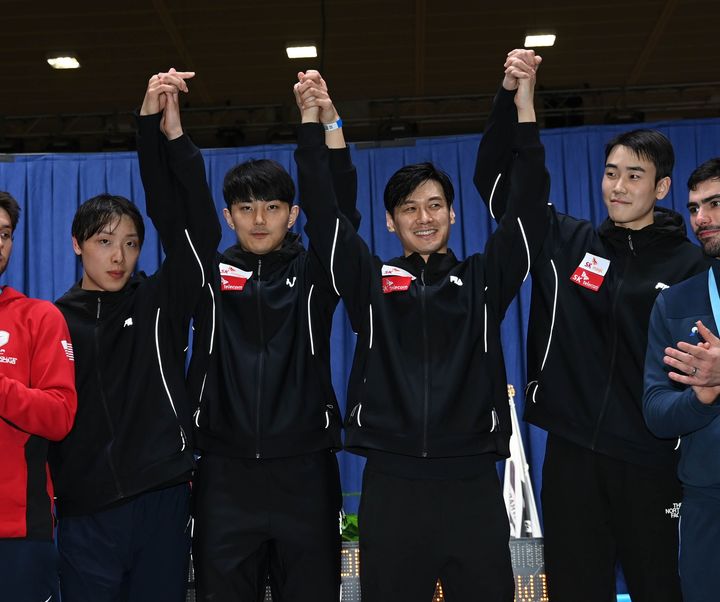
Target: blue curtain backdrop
50,188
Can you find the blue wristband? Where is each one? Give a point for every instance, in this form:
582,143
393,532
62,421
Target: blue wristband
329,127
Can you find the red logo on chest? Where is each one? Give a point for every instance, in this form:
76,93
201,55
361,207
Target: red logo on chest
232,278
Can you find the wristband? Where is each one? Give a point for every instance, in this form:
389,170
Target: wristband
329,127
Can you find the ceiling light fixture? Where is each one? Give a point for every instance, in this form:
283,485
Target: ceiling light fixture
63,61
301,50
538,40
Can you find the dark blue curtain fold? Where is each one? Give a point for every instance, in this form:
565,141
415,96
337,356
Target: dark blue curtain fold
50,188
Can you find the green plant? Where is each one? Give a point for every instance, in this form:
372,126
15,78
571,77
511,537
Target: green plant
350,527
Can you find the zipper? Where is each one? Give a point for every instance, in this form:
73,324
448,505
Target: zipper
261,362
630,243
103,400
613,351
426,368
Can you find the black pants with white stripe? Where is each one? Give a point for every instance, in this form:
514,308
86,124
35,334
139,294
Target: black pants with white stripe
278,516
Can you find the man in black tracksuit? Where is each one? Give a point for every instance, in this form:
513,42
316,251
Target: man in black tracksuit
122,474
267,493
609,485
427,398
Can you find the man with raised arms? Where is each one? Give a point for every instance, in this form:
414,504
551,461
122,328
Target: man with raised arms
427,398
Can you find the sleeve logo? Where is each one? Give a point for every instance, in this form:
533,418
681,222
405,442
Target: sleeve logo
68,349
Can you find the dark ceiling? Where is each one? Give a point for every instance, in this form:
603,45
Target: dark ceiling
395,67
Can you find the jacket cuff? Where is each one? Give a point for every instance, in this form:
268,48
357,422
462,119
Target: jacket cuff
310,134
505,96
340,160
148,124
705,409
180,148
527,134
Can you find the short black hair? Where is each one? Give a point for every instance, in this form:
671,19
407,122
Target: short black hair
8,202
258,180
99,211
406,179
710,170
650,145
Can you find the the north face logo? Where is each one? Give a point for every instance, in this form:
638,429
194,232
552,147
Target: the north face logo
4,338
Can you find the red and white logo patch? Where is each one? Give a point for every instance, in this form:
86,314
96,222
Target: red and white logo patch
232,278
395,279
591,272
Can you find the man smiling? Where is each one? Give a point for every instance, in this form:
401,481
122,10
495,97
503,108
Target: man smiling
427,396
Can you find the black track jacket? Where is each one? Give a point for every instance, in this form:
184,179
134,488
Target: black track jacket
587,333
264,390
134,414
428,378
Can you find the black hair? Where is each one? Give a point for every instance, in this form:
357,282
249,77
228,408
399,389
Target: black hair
8,202
406,179
99,211
258,180
710,170
650,145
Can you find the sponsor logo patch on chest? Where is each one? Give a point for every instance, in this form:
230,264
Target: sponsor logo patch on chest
591,272
395,279
232,278
4,340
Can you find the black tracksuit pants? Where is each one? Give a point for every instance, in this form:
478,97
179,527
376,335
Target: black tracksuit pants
278,516
598,510
414,531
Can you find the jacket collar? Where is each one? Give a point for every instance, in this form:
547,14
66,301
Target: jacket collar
667,225
86,300
436,268
271,262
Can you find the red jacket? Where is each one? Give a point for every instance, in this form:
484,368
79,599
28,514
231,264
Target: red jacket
37,404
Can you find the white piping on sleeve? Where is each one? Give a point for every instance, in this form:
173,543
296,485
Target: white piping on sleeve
371,327
312,343
332,256
212,331
485,326
552,321
162,372
197,258
678,444
527,248
492,194
197,412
